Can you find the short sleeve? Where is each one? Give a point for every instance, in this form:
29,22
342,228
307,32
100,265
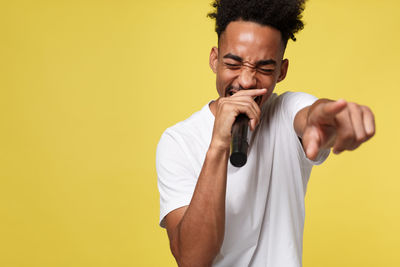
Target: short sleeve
292,103
175,175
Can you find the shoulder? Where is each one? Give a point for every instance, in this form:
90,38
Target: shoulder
292,99
288,98
281,109
185,132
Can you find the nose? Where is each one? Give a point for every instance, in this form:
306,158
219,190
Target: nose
247,79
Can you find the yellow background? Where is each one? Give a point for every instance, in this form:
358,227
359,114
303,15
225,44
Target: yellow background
87,88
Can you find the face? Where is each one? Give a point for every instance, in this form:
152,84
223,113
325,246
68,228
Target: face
249,56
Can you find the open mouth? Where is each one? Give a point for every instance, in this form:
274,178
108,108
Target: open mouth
232,92
258,99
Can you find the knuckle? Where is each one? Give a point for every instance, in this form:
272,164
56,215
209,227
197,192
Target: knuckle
372,133
361,138
352,105
224,106
347,135
356,107
337,149
356,145
366,109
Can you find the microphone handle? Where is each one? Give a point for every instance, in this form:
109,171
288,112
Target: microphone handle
239,144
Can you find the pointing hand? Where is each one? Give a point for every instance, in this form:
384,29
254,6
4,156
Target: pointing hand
338,124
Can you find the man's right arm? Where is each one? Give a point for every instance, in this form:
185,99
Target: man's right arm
196,231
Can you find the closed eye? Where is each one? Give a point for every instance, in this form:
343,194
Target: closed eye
266,71
233,66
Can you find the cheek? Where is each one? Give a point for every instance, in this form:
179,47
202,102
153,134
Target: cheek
267,82
227,75
220,86
224,78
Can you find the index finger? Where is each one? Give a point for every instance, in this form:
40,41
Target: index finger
251,92
330,109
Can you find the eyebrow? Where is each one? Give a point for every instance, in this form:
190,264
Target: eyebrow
234,57
258,63
266,62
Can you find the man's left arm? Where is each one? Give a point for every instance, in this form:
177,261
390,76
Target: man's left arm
338,124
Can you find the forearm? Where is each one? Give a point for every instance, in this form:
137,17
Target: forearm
199,235
300,121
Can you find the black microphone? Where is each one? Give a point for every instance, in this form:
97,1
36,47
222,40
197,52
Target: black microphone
239,144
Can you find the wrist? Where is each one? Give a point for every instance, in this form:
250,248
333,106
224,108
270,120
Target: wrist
219,146
300,121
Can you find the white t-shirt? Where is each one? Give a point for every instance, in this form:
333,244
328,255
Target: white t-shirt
264,217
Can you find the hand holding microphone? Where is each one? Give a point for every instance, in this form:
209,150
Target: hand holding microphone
233,116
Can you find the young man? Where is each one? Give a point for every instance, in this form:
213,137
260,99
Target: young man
220,215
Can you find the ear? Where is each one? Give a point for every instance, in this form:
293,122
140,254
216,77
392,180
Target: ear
214,59
284,69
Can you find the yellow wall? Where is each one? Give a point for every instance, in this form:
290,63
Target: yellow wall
87,88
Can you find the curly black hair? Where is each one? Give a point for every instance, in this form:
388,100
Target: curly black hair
284,15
